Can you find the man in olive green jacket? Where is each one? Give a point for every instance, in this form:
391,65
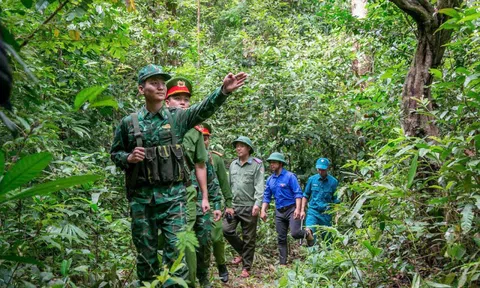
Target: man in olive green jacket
218,242
247,183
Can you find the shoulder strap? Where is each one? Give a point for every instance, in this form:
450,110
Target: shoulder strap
136,130
172,128
138,138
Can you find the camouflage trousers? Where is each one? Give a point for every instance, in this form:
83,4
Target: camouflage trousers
147,219
191,215
218,243
203,228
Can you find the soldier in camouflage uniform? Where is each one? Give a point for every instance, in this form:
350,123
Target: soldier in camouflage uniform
218,242
178,95
157,200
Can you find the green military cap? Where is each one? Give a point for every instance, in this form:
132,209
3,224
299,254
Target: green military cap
178,85
276,156
152,70
244,140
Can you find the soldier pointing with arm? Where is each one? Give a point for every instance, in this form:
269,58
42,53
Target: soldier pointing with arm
146,145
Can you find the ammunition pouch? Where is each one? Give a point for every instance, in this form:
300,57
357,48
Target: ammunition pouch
162,166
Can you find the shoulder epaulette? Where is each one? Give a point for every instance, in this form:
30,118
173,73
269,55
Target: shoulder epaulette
218,153
198,128
257,160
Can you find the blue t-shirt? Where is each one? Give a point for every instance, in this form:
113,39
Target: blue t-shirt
320,192
284,188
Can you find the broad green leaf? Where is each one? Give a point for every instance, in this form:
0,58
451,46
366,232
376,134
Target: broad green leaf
65,267
456,251
52,186
438,201
467,218
178,263
19,259
470,18
9,38
105,101
412,171
450,12
88,94
373,250
27,3
82,268
179,281
24,171
436,73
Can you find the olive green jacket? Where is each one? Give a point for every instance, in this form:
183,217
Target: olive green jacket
222,177
247,182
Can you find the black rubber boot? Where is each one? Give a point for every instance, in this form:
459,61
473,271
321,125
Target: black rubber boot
223,273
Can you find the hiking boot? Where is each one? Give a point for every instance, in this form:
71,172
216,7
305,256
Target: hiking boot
309,237
223,273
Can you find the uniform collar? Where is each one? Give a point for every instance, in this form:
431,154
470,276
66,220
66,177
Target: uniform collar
249,161
149,115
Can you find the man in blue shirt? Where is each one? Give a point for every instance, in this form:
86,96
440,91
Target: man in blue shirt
319,192
283,186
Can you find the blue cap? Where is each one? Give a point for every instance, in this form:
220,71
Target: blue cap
322,163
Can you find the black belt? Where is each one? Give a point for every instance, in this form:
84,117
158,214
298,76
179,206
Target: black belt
283,209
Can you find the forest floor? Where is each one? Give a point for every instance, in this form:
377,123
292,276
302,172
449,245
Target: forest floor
266,270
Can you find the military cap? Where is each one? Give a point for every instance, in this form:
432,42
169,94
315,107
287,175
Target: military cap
178,85
152,70
322,163
244,140
276,156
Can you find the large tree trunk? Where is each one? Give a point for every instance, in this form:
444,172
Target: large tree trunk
429,53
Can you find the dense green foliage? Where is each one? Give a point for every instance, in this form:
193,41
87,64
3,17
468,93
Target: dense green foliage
410,207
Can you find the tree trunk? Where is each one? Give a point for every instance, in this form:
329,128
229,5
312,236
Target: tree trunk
429,53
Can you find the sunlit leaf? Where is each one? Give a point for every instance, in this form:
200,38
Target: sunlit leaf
52,186
24,171
412,171
450,12
87,94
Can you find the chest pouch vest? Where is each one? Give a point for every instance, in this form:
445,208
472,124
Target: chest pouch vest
163,165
